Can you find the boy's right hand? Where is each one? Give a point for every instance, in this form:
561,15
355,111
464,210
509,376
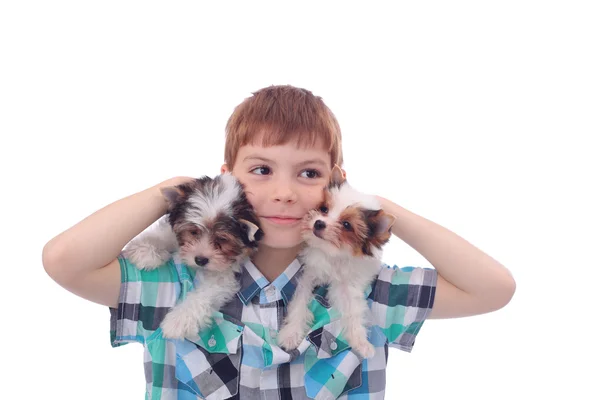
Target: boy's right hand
83,259
176,181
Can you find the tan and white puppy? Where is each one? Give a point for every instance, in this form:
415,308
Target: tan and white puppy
344,238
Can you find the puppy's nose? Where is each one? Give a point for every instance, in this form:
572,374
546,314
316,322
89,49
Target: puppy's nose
320,225
201,261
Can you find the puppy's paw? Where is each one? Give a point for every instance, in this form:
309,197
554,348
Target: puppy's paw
363,347
146,255
178,324
290,336
204,320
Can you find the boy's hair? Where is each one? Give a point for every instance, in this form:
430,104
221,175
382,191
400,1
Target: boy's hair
282,114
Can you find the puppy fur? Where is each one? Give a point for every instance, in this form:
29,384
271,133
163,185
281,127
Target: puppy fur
344,237
210,226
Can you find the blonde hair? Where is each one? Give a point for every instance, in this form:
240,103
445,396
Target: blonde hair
279,115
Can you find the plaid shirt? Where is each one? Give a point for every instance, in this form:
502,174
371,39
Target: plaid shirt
238,356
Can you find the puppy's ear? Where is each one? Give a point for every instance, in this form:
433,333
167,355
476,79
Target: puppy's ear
172,195
175,195
254,232
337,176
380,226
384,222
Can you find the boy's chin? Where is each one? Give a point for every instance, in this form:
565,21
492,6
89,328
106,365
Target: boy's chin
278,240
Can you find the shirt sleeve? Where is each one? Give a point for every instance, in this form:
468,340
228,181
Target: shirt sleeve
402,299
144,299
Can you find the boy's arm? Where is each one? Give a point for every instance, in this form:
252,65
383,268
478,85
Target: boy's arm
83,259
469,281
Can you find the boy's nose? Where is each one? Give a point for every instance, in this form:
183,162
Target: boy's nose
285,194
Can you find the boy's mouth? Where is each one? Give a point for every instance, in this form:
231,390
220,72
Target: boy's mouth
282,220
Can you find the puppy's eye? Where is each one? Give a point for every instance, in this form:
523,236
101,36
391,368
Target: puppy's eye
347,226
195,232
324,209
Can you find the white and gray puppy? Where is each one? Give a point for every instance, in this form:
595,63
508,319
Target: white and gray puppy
344,237
213,227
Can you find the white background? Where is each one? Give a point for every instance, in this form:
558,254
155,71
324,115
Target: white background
481,116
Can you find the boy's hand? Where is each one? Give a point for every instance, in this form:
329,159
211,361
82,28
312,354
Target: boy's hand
470,282
83,259
176,181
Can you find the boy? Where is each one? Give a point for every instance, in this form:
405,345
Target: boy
281,143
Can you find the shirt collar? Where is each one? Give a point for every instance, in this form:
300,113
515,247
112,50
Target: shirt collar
252,281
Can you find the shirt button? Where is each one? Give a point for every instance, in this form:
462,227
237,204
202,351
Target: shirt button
333,345
271,290
212,342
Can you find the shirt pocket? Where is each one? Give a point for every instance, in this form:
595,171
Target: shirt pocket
208,365
331,368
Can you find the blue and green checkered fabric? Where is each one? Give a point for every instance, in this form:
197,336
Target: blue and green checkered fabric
238,356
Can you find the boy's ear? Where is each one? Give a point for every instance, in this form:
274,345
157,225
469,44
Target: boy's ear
224,168
338,176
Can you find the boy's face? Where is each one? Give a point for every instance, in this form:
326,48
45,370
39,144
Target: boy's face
282,183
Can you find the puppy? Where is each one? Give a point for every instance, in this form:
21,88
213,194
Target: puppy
213,227
344,237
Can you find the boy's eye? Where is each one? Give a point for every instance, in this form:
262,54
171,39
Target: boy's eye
347,226
324,209
262,170
310,174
